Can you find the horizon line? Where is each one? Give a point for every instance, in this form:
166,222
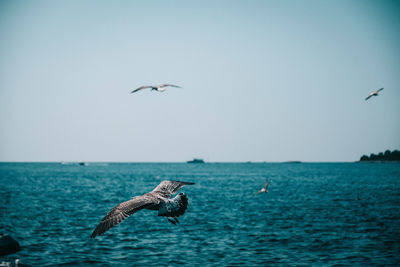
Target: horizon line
247,162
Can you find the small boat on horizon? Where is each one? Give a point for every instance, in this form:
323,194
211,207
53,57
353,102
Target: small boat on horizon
81,163
195,161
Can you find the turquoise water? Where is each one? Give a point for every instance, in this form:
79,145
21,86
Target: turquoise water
313,214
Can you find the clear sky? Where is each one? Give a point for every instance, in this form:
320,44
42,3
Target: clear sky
262,80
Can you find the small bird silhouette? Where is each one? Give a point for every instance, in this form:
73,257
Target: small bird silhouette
373,94
158,88
264,189
158,199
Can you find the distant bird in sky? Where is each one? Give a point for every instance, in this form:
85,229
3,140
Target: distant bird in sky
264,189
158,199
158,88
373,94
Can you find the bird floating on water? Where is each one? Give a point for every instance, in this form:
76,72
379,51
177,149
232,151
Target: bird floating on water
264,189
158,88
373,94
158,199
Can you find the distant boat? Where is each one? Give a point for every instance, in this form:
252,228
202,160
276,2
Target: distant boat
81,163
195,161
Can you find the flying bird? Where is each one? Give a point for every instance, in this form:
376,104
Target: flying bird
158,199
158,88
264,189
373,94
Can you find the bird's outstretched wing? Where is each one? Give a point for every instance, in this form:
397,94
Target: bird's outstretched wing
379,90
123,211
167,188
368,97
141,88
168,84
266,185
258,192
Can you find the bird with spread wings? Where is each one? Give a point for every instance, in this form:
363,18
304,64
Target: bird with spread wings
158,88
264,189
373,94
158,199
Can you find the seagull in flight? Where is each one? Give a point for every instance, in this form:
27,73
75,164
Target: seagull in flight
158,199
158,88
373,94
264,189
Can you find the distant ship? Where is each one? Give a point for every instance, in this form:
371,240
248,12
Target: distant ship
195,161
74,163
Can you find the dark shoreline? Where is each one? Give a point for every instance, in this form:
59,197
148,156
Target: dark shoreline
387,156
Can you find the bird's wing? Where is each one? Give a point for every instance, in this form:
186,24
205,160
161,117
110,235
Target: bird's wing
379,90
258,192
141,88
266,185
123,211
167,188
168,84
368,97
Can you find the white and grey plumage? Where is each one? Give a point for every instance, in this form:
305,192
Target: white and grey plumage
158,88
158,199
264,189
373,94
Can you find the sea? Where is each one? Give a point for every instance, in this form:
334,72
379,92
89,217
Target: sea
314,214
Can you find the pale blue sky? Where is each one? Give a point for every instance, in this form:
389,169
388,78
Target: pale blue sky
263,80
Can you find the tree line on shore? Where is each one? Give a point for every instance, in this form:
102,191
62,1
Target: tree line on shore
386,156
